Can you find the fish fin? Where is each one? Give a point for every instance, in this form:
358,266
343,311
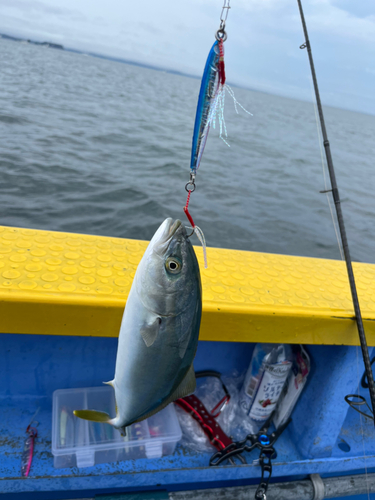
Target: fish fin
111,383
93,415
186,387
184,338
183,345
150,332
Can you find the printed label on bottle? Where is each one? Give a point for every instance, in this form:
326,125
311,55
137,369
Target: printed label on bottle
269,390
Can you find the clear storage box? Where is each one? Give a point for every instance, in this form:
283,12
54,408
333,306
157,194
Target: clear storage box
77,442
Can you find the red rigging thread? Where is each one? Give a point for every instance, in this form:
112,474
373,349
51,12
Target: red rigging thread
221,63
187,211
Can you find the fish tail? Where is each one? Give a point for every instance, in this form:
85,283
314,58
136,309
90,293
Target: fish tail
94,416
98,416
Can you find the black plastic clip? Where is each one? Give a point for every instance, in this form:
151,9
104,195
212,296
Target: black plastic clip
264,442
265,462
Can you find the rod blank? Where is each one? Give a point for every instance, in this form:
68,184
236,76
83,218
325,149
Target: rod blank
340,219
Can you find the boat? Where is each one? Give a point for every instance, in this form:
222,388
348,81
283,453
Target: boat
62,297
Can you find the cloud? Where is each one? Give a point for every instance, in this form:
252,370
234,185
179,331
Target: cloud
338,22
262,50
364,8
25,7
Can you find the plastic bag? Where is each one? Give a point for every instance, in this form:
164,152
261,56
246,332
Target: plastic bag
210,392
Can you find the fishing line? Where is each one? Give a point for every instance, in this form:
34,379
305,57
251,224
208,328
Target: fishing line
324,166
362,432
345,248
340,219
327,190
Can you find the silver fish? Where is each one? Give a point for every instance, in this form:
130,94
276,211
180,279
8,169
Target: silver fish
159,331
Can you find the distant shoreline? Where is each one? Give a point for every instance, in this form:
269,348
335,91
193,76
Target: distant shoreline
166,70
44,44
93,54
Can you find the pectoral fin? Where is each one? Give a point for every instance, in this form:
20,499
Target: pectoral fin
183,331
150,331
183,346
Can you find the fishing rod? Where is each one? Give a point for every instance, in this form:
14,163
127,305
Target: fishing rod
340,219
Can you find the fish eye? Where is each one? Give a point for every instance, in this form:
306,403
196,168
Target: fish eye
173,265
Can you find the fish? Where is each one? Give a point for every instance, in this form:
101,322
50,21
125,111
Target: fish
159,331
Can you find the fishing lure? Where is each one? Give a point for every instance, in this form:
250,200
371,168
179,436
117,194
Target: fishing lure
210,107
28,447
210,96
211,102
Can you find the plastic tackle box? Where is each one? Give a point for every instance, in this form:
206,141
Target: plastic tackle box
77,442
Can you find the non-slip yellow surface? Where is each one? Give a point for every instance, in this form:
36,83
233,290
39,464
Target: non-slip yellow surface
69,284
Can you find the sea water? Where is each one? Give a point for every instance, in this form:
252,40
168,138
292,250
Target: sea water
99,147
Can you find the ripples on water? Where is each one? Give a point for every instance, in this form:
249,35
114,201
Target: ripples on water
93,146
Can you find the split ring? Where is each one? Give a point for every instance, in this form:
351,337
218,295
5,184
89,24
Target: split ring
190,189
221,35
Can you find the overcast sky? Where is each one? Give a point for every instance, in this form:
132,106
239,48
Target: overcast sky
262,50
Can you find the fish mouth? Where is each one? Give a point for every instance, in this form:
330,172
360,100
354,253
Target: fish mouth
173,228
166,232
170,230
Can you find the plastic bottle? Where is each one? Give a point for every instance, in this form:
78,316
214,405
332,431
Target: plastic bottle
264,381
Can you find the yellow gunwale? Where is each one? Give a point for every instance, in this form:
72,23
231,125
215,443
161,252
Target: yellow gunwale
57,283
